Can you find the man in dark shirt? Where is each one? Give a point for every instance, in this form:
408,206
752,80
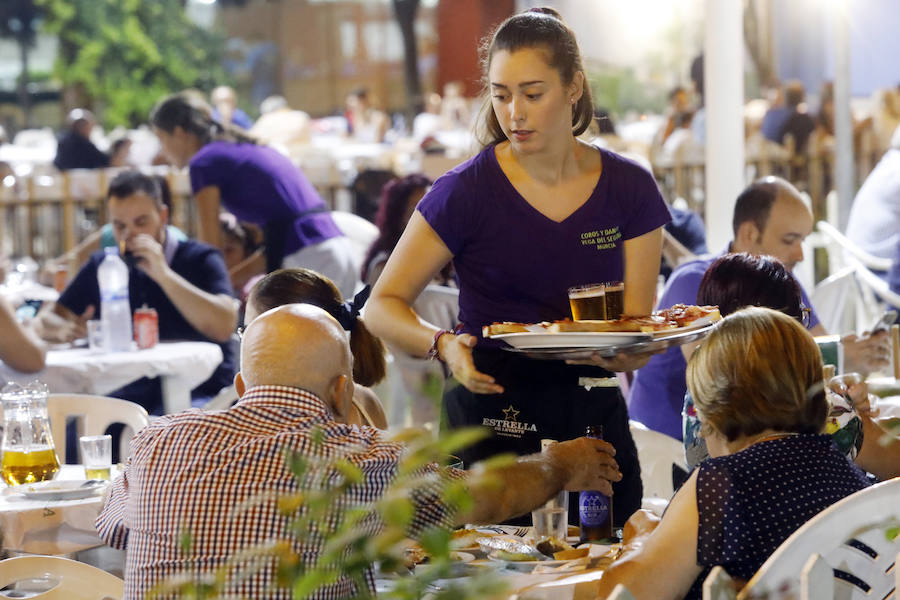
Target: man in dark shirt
76,150
185,281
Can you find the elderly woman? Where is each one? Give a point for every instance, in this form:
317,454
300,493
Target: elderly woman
758,390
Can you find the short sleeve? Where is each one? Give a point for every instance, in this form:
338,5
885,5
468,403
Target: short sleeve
210,273
448,208
207,169
648,209
83,290
682,286
713,495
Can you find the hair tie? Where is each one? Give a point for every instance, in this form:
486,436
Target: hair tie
349,311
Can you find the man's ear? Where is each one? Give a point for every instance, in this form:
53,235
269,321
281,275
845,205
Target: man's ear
748,235
239,384
341,397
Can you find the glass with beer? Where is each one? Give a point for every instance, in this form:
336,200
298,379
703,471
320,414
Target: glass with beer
588,302
28,453
614,291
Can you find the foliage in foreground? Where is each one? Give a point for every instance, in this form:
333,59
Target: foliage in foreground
320,515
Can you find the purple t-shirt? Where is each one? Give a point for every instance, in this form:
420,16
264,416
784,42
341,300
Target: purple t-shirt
261,186
515,264
657,392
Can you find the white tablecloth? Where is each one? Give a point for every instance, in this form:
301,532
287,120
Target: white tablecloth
45,527
181,365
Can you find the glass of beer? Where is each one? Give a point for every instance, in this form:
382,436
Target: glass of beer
588,302
96,454
615,299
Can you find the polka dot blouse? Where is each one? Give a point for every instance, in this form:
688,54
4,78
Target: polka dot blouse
751,501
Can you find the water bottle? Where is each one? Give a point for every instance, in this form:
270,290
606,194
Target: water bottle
115,309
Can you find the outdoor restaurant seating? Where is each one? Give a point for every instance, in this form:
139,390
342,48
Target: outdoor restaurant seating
70,579
93,414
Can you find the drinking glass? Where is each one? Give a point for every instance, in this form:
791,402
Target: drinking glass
615,299
95,335
588,302
550,522
96,454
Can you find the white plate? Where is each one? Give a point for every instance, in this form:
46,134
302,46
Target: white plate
462,557
526,565
577,339
59,490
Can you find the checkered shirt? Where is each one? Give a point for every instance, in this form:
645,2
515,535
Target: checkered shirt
190,470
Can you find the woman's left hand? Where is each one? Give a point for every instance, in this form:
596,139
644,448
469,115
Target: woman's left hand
619,363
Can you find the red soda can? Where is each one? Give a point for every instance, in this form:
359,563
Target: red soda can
146,327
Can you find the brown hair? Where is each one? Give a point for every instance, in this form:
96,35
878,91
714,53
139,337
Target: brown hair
759,369
194,115
288,286
541,28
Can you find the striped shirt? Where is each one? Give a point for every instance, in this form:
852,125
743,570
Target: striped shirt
189,471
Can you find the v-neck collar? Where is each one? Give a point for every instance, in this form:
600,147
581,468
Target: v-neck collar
520,198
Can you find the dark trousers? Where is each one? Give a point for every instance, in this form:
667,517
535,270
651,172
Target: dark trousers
543,399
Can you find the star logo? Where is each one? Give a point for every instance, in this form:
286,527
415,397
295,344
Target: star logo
510,413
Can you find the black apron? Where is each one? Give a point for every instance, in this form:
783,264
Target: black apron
275,234
547,399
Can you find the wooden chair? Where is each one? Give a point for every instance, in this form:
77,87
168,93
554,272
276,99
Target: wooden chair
68,579
847,551
95,414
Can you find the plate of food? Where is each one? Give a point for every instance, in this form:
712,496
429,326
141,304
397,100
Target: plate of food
525,555
60,490
567,339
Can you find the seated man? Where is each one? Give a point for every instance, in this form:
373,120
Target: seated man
874,223
76,150
185,281
189,471
770,217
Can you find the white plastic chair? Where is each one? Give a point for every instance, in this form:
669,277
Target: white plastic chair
840,552
834,299
836,238
71,580
94,414
657,452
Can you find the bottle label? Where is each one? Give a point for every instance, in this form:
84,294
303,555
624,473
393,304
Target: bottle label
114,295
593,509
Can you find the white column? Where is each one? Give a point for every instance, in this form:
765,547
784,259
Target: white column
723,76
844,178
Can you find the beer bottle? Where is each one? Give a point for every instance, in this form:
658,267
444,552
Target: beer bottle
595,509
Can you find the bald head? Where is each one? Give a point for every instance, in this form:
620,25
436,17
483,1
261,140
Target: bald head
772,217
296,345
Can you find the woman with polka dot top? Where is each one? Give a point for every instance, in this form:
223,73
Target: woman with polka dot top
758,391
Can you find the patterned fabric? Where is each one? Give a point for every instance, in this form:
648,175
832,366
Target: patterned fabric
193,472
843,425
751,501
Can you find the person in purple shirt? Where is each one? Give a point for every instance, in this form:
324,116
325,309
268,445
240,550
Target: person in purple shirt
535,212
258,185
770,217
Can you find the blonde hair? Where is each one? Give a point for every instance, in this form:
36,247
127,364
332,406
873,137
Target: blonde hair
759,369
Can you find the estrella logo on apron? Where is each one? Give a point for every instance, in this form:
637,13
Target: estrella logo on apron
509,425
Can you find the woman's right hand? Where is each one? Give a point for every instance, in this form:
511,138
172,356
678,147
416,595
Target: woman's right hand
456,352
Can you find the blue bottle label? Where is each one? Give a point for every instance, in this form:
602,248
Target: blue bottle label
593,509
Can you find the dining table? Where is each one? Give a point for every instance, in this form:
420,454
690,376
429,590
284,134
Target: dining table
41,526
180,365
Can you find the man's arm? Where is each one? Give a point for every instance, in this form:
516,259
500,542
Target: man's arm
213,315
20,348
110,523
502,493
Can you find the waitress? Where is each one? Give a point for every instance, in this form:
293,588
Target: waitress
536,212
258,185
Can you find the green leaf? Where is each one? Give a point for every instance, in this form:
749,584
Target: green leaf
891,533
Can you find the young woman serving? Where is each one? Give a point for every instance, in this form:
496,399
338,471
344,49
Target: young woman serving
534,213
258,185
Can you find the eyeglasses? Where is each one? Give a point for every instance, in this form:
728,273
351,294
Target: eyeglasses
805,315
240,332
